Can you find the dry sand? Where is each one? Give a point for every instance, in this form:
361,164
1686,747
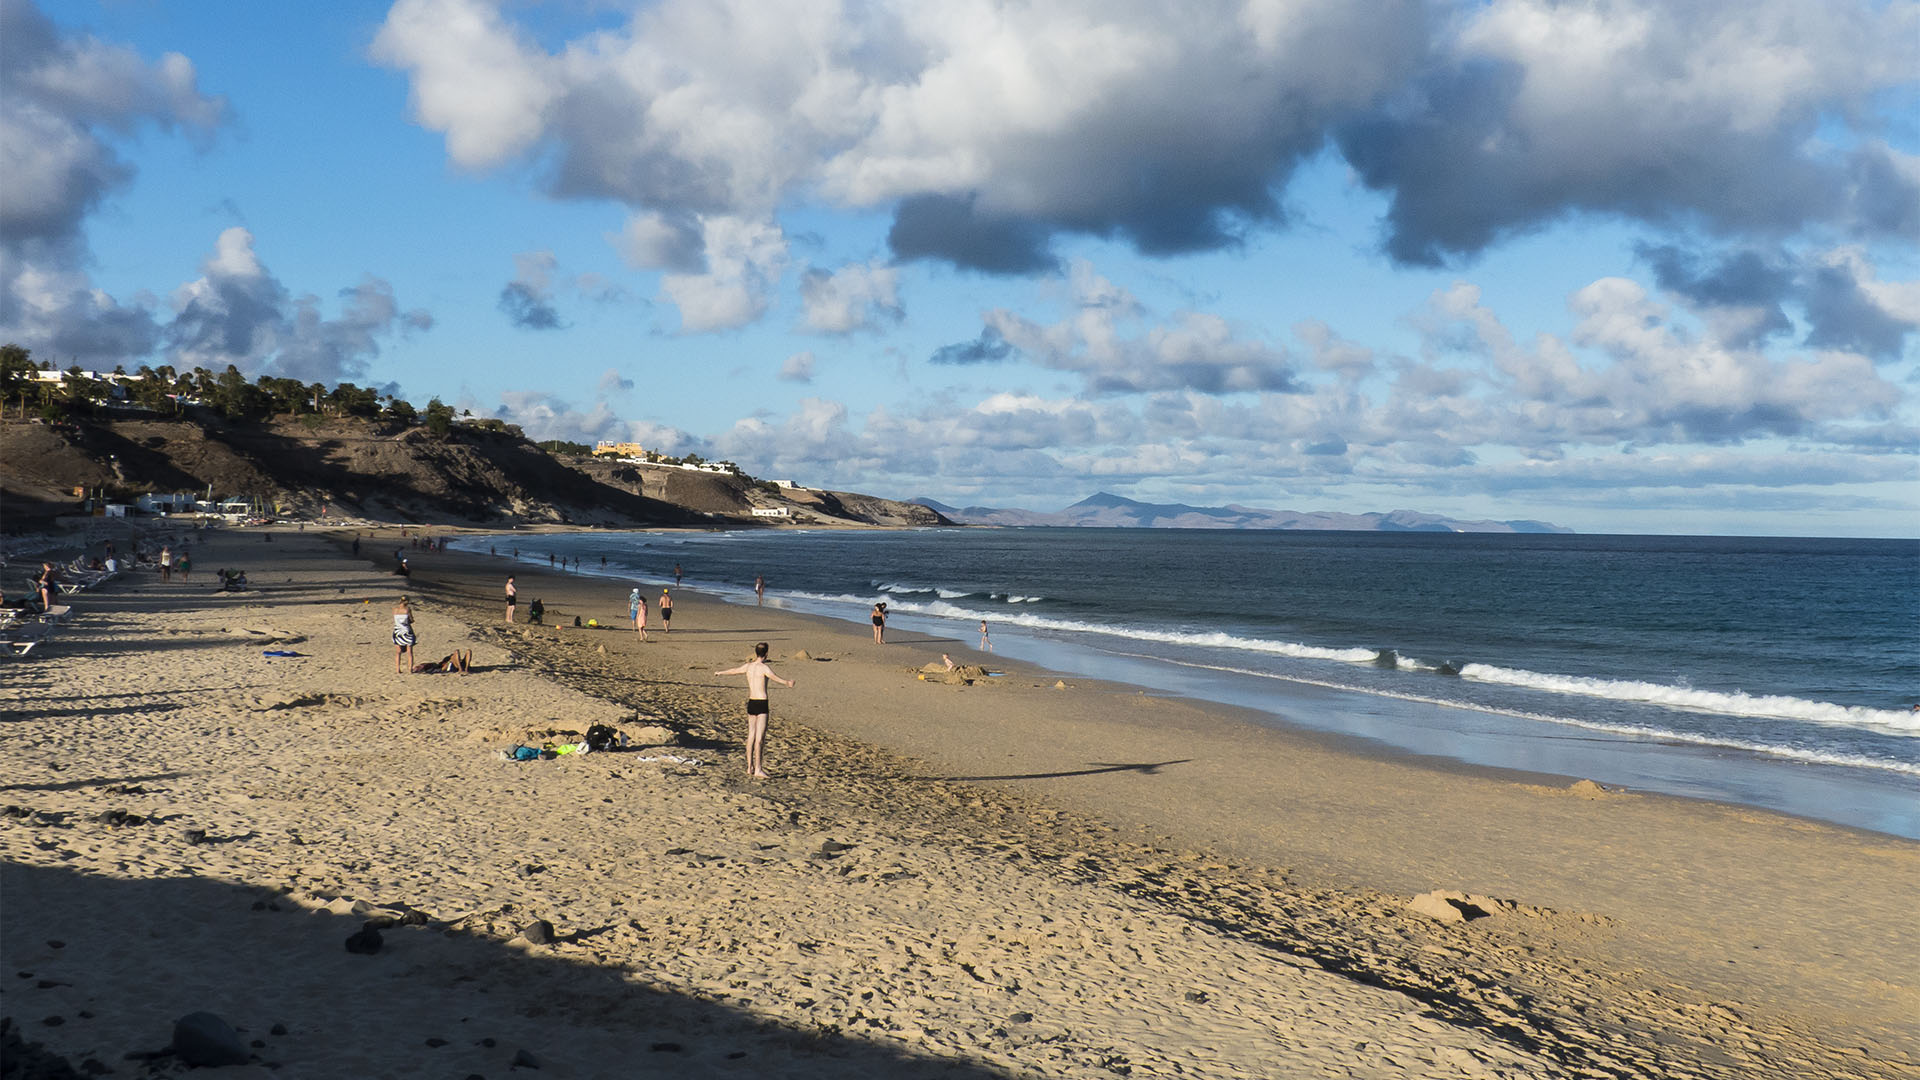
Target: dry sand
1003,878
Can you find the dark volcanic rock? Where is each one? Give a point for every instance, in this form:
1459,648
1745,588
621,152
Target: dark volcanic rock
203,1039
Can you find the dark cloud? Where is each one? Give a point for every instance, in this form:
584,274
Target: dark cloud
1701,424
1712,118
1840,315
61,99
1745,279
1459,177
988,348
527,309
314,348
945,227
1886,197
239,313
1838,312
527,300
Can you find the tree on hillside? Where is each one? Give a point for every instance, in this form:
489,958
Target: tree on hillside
236,398
150,387
79,391
439,417
402,411
16,373
350,400
284,395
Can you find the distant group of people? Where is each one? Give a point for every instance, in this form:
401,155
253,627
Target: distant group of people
759,673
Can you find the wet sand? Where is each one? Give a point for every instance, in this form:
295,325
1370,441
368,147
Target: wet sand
989,879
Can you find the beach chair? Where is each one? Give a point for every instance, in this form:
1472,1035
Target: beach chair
21,638
56,613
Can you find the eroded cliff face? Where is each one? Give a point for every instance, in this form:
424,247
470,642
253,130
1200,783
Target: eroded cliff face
388,473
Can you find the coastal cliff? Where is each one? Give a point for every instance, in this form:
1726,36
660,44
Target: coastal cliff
389,472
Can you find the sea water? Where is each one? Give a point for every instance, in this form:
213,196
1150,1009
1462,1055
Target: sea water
1776,672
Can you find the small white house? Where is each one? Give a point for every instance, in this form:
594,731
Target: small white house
115,383
177,502
771,512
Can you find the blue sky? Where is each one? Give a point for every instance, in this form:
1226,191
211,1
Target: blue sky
1623,266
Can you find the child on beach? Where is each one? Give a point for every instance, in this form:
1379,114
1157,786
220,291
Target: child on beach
879,624
758,710
637,611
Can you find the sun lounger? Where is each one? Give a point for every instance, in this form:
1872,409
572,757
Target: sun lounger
21,639
56,613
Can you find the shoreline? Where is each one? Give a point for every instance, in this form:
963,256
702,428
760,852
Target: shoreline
1445,734
1612,960
1544,861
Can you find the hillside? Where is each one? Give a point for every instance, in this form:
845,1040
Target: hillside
379,471
1113,511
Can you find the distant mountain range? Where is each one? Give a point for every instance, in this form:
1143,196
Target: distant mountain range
1113,512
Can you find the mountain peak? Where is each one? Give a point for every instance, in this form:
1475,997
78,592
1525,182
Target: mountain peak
1101,500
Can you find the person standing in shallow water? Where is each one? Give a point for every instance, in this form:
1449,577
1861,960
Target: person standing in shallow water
676,575
759,590
759,710
986,643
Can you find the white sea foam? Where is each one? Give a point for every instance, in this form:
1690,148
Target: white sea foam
1209,639
1646,731
1729,703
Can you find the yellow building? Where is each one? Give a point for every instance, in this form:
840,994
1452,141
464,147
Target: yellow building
619,449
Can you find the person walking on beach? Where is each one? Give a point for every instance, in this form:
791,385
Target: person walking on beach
759,589
637,611
166,563
986,644
880,623
758,709
402,637
513,597
666,612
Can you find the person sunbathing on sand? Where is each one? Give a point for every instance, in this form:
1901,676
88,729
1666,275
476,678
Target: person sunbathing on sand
457,661
758,710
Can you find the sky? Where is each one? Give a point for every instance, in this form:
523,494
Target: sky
1623,265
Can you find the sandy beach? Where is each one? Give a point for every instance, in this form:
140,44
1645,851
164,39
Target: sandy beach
1020,876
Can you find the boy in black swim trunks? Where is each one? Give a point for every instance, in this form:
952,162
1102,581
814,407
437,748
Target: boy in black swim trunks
758,710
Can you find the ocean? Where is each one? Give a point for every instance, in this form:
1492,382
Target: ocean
1773,672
